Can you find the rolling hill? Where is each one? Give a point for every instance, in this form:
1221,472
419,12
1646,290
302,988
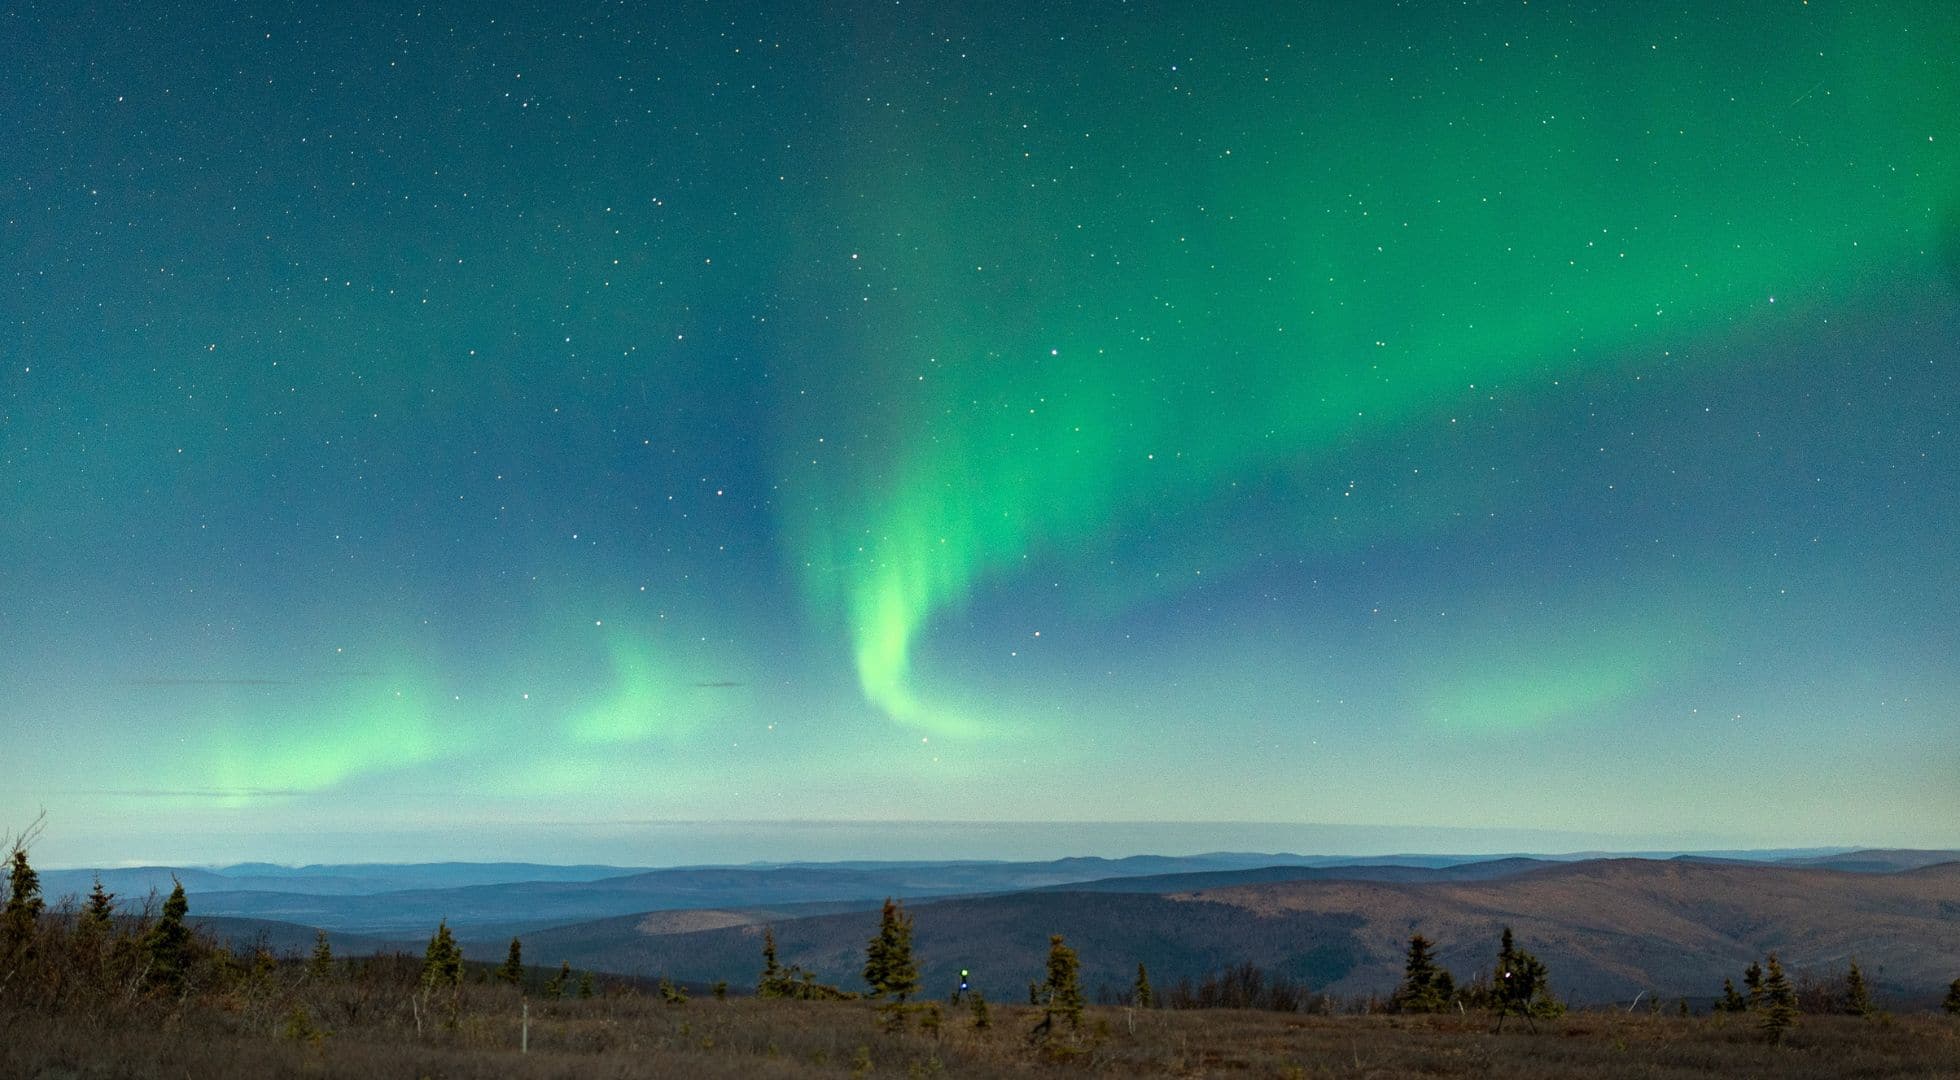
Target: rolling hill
566,895
133,883
1608,929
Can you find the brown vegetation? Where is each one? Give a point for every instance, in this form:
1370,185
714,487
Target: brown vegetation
84,995
239,1014
363,1026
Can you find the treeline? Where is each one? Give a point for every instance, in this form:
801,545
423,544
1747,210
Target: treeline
91,955
95,957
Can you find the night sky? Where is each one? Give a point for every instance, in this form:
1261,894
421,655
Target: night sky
474,431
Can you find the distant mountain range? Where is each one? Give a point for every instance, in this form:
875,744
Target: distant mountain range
351,879
1608,927
392,900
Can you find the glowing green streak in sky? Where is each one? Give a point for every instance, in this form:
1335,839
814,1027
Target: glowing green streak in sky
1534,695
1569,666
643,702
315,745
1139,305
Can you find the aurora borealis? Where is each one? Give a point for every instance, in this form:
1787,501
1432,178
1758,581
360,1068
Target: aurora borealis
485,419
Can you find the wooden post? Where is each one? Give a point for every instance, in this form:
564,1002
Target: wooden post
524,1045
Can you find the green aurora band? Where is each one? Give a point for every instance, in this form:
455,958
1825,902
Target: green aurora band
1245,262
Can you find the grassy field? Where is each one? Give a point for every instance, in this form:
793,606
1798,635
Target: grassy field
369,1029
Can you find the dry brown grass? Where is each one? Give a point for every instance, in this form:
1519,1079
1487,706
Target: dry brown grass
371,1034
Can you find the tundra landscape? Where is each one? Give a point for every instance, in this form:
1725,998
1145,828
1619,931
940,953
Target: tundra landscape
979,537
1635,967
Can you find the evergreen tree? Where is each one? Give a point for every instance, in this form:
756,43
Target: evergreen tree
1518,985
1731,1002
1752,981
263,963
321,966
1419,992
888,964
773,983
555,988
513,970
442,965
1779,1002
98,918
1064,988
982,1020
168,944
24,905
876,959
1952,1002
1857,996
1141,992
584,984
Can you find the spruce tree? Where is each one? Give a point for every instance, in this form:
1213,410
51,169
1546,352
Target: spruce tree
773,983
168,944
1419,992
555,987
888,965
1141,992
24,905
321,966
1518,985
98,918
1779,1002
1731,1002
877,959
1752,981
982,1020
1952,1002
1857,996
1064,988
584,984
442,964
513,970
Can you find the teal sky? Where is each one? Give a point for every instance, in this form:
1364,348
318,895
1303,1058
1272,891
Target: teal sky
498,421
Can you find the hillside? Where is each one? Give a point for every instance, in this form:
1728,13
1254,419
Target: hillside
391,899
1387,872
1877,860
133,883
518,897
1608,929
1612,928
288,939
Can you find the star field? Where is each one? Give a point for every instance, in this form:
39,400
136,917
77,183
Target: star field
1494,415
